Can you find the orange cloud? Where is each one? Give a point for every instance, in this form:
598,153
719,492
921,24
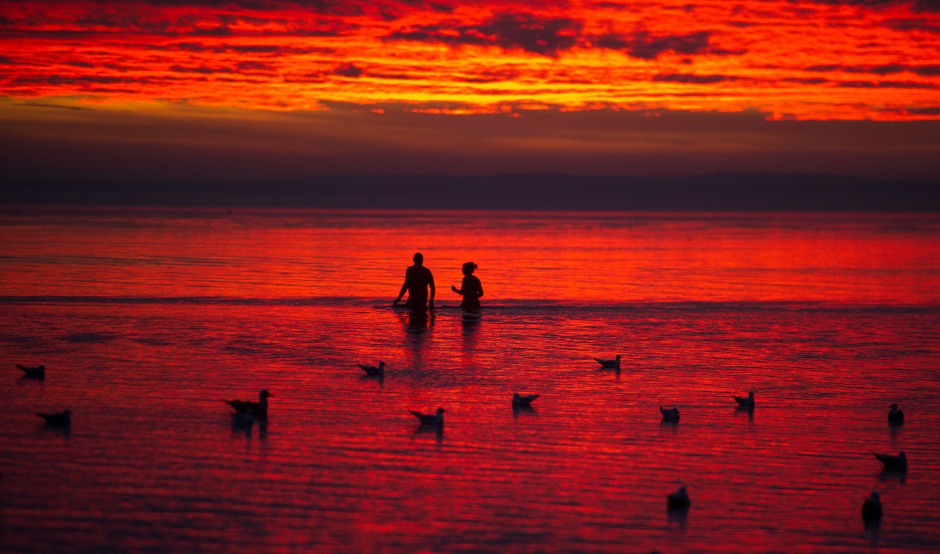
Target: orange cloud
824,59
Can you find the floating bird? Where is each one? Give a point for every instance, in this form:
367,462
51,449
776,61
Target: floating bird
259,408
62,419
612,364
898,462
39,371
678,500
427,419
524,401
374,370
871,509
671,414
745,402
895,415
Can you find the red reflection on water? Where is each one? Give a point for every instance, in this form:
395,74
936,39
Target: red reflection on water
153,458
579,257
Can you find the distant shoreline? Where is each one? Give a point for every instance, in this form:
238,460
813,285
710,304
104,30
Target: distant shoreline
732,192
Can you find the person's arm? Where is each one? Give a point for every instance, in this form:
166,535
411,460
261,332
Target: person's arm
479,289
431,299
404,287
455,289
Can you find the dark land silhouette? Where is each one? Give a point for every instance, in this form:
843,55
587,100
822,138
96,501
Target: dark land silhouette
717,192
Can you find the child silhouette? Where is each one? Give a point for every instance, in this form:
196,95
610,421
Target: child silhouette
471,289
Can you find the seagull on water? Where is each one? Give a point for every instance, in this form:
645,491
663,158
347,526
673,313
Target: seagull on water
523,400
259,408
678,500
374,370
63,418
895,415
427,419
612,364
670,414
871,509
745,402
39,371
890,461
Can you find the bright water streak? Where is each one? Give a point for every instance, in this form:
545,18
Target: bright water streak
145,320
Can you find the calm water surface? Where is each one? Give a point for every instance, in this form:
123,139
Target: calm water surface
146,319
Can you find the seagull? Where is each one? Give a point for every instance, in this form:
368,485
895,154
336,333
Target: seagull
871,509
672,414
39,371
745,402
63,418
612,364
898,462
373,370
524,401
427,419
259,408
679,500
895,415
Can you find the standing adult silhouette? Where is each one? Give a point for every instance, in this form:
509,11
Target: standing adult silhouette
417,280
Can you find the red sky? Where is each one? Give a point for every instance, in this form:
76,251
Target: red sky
279,75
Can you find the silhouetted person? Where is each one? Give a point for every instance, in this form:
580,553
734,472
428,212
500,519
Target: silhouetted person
417,280
471,289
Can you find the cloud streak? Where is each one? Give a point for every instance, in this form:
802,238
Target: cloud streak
811,59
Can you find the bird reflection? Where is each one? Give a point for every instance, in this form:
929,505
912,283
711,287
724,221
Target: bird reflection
242,425
668,427
893,474
677,518
380,379
424,429
749,410
895,429
516,410
874,531
61,431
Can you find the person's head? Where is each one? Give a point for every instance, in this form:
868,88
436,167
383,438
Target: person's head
468,268
418,258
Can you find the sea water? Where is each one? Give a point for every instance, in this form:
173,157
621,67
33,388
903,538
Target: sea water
146,319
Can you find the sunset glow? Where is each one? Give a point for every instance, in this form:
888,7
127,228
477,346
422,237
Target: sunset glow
790,60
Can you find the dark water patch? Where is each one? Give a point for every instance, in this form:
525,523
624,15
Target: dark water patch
89,338
153,342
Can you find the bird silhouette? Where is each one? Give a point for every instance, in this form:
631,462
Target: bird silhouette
670,414
890,461
38,371
63,418
895,415
523,400
871,508
428,419
678,500
745,401
259,408
373,370
612,364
